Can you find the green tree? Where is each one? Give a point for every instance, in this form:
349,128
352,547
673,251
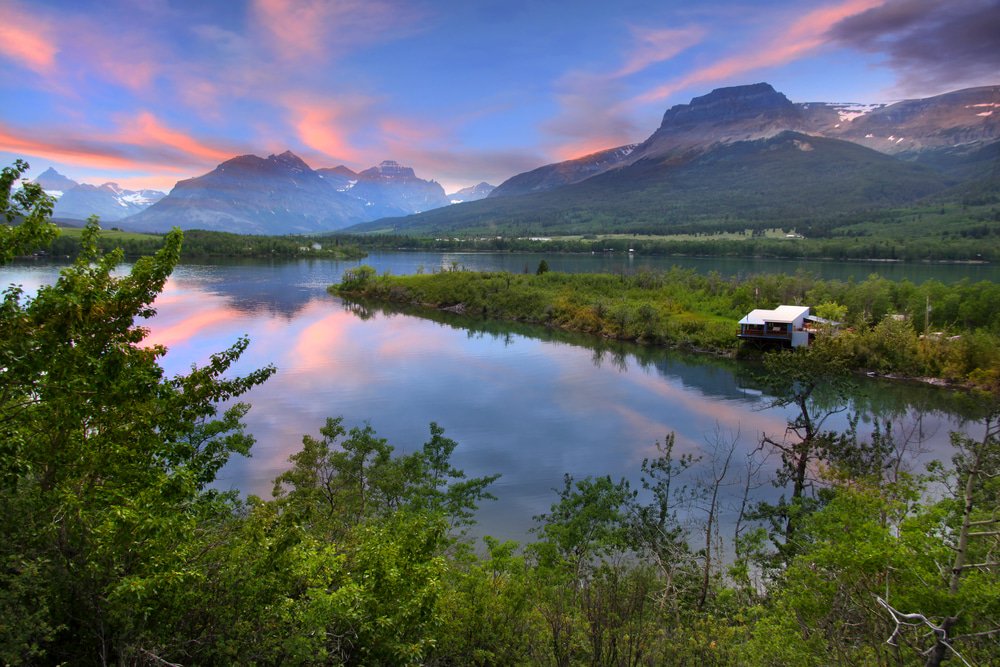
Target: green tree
815,383
30,208
831,310
105,463
338,482
543,267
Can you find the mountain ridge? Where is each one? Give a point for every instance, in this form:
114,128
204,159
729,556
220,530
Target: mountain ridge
911,149
282,194
108,201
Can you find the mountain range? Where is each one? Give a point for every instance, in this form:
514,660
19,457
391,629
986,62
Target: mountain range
281,194
471,193
746,156
78,201
736,158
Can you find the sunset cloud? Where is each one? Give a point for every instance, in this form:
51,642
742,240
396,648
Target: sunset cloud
591,117
316,29
462,93
27,39
326,125
140,143
801,37
658,45
65,148
147,130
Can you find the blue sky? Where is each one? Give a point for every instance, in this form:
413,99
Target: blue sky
148,92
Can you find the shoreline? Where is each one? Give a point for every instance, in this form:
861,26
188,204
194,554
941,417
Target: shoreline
779,258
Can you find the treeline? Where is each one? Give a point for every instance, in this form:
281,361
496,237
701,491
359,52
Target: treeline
960,247
205,244
118,550
928,330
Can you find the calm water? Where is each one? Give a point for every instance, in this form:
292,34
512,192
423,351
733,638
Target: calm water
403,263
525,402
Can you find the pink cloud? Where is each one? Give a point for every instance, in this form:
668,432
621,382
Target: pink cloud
803,36
589,146
27,39
326,126
590,117
658,45
315,29
141,143
147,130
65,148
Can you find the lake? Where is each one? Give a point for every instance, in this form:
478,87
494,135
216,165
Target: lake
525,402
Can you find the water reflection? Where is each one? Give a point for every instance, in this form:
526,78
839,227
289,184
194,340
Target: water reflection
528,402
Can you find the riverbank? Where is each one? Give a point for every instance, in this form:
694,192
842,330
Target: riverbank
201,244
889,328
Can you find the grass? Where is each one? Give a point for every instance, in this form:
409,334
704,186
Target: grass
673,309
682,309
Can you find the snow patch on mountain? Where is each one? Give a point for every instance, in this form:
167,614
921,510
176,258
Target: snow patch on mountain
848,111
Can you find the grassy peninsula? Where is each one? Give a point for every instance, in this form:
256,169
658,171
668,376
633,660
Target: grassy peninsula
930,330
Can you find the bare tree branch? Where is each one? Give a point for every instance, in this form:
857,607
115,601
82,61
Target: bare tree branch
916,620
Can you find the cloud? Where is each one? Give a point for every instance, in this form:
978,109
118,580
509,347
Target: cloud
139,143
658,45
27,39
67,148
930,44
316,29
803,36
327,125
591,117
146,130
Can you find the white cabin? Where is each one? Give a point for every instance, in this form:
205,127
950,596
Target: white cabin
784,324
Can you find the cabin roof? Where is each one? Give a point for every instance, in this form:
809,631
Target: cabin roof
785,314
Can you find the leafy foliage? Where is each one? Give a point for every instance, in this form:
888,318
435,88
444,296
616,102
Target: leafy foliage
104,462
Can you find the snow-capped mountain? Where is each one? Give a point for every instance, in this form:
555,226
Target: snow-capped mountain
937,131
747,154
471,193
391,189
79,201
281,194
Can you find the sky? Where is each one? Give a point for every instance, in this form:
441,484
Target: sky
148,92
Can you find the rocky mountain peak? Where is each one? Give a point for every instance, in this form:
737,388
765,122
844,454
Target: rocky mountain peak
289,160
471,193
388,170
50,179
342,170
731,105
